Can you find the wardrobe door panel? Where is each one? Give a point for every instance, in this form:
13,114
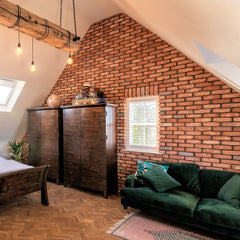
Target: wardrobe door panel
72,149
71,121
49,120
45,143
34,122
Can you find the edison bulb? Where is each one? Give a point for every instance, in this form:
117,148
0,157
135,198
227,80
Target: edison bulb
19,50
33,68
69,60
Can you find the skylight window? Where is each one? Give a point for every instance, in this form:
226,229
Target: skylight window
9,91
5,93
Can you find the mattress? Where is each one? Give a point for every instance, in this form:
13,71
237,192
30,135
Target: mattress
7,166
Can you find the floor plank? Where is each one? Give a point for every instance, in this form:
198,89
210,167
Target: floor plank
73,214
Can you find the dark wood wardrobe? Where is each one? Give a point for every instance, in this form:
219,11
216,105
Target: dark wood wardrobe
79,142
89,152
45,140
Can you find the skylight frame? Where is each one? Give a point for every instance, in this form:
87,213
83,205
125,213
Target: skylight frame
17,87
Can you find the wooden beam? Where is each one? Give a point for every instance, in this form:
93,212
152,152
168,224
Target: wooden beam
36,27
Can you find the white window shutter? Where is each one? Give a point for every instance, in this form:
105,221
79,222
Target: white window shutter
142,123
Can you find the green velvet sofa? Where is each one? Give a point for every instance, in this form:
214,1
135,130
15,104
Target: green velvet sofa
195,202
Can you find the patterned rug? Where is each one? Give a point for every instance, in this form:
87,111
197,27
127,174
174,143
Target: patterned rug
136,226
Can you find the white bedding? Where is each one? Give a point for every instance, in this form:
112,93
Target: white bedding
7,166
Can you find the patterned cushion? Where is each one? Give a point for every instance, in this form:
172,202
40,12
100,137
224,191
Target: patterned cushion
143,167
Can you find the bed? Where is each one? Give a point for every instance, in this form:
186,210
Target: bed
17,179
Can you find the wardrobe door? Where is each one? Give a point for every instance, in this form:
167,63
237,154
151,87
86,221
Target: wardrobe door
71,140
44,127
34,130
93,148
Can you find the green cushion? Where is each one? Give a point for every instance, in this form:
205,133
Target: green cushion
211,181
218,212
173,201
129,181
158,179
230,191
185,173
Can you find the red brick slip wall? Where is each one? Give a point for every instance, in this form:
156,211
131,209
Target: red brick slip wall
199,114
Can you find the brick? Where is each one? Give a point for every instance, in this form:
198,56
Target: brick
199,114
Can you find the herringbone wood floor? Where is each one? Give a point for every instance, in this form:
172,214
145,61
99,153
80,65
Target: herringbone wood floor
73,214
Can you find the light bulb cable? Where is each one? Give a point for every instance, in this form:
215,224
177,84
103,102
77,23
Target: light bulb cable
32,52
76,38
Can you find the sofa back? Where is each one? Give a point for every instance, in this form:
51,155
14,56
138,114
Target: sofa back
185,173
204,183
211,181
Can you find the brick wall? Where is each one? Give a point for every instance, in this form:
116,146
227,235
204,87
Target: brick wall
200,118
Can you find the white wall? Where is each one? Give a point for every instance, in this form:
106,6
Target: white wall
49,60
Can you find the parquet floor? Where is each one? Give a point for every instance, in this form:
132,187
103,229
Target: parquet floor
72,214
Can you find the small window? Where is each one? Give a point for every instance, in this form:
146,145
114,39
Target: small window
142,121
9,92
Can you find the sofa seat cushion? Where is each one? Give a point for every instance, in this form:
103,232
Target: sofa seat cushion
174,201
218,212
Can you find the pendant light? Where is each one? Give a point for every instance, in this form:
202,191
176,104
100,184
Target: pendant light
69,60
33,67
19,50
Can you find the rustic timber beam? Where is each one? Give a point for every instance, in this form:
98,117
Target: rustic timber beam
12,16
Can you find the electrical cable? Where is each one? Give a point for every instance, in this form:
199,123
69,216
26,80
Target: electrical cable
32,50
75,26
67,43
18,18
61,13
46,33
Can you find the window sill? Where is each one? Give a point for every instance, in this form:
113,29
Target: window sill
141,151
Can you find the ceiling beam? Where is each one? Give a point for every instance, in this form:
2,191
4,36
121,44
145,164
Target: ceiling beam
39,28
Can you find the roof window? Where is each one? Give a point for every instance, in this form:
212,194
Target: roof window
9,92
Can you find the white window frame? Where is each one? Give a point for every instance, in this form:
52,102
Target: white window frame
17,87
137,148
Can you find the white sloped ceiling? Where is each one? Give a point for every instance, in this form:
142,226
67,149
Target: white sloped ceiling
213,24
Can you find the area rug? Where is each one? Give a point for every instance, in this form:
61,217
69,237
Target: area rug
137,226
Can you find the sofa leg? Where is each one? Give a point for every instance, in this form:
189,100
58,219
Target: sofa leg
125,206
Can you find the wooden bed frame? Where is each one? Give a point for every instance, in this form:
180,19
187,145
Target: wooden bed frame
18,183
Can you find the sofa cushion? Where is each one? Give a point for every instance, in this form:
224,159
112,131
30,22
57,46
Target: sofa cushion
130,181
173,201
187,174
158,179
143,166
218,212
211,181
230,191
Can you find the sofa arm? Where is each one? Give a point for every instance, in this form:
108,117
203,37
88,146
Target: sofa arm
129,181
